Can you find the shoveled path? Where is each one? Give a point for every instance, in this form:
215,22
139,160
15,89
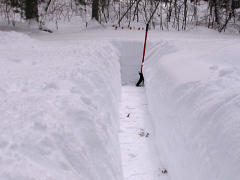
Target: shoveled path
139,156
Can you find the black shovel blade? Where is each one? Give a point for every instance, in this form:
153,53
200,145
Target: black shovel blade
141,80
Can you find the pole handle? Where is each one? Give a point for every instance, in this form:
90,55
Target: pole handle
144,49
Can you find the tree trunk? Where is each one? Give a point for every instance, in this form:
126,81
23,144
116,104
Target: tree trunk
217,11
95,10
48,5
31,9
185,15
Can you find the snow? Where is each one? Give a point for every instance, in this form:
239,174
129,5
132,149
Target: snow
60,97
138,149
130,60
193,91
59,116
137,138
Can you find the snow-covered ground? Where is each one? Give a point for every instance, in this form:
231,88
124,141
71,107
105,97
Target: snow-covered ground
58,109
60,93
137,143
139,153
193,92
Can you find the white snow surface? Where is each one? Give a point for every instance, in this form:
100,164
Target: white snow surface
58,109
137,144
193,87
59,103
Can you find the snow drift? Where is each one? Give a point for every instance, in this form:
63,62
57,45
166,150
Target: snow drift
58,110
193,92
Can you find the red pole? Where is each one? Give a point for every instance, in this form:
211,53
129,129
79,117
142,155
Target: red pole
144,49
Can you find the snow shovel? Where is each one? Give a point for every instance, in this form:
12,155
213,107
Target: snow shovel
141,79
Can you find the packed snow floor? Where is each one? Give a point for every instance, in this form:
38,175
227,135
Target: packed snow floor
136,137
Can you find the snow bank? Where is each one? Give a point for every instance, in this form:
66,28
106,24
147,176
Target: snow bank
193,92
58,110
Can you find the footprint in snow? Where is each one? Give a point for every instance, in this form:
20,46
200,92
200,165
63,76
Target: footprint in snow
15,60
214,68
132,155
142,133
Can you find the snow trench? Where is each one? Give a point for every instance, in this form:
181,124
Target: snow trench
193,98
136,137
130,57
59,108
